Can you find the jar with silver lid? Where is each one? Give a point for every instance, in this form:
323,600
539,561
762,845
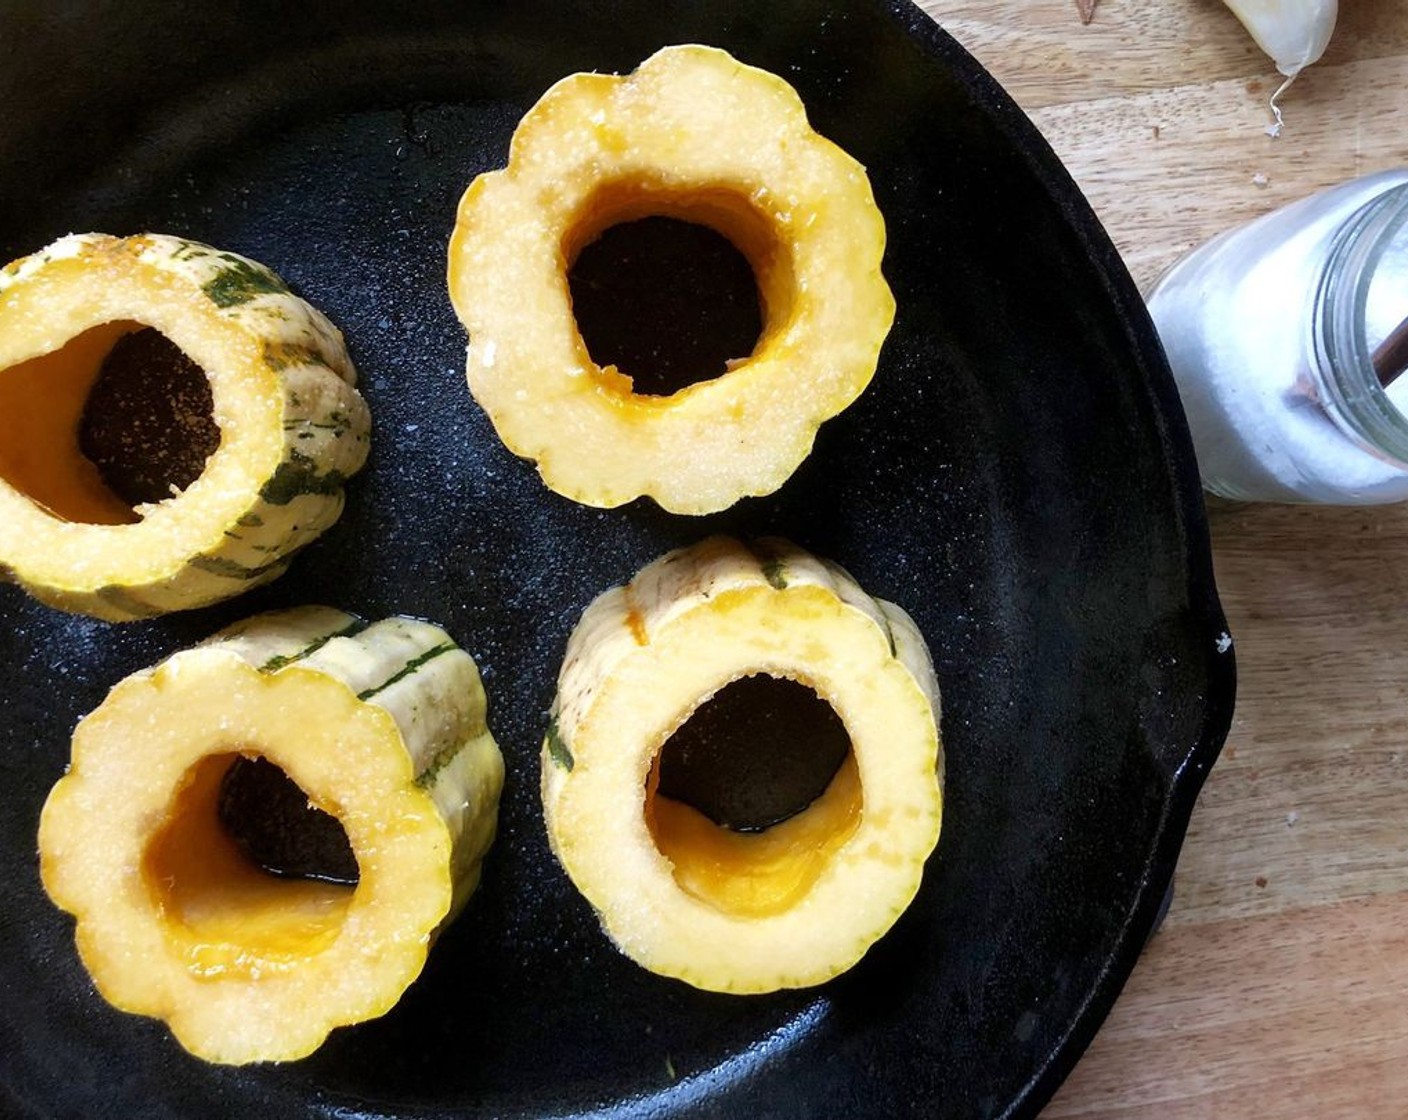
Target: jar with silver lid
1286,337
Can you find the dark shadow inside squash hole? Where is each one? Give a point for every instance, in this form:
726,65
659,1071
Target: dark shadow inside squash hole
758,752
668,302
148,424
267,815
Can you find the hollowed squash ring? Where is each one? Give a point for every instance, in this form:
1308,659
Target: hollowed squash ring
292,427
382,726
696,135
802,900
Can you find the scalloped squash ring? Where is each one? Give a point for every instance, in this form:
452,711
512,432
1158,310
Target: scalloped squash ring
678,888
380,726
282,422
695,135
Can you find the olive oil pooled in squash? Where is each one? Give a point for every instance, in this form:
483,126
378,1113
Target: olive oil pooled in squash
204,897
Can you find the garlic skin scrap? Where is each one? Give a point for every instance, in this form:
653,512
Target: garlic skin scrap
1293,32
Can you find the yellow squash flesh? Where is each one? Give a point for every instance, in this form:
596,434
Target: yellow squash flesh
382,726
292,425
803,900
696,135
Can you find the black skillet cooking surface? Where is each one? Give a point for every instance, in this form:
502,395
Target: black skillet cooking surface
1018,476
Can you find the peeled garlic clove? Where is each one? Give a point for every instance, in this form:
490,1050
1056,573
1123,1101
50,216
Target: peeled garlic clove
1293,32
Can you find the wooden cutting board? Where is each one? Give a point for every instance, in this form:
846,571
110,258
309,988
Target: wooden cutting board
1278,986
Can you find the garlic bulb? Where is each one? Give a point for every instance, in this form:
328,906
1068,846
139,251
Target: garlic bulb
1293,32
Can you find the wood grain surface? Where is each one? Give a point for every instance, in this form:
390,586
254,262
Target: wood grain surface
1278,986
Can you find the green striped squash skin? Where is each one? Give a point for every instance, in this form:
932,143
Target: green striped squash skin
684,579
326,425
428,685
381,725
690,902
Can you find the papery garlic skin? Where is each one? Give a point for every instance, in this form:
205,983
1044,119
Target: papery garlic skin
1294,33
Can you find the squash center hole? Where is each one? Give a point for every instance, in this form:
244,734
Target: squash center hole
115,418
758,752
240,870
270,819
148,424
670,303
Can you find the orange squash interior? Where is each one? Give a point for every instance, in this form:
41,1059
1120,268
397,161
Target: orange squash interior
226,914
754,874
41,405
724,208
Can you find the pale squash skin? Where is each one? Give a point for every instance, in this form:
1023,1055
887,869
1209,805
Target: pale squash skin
693,134
292,425
383,726
802,901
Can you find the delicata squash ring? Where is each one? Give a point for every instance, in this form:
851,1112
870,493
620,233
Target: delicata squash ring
382,726
797,902
291,425
695,135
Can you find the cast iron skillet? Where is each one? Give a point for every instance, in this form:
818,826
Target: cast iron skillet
1018,476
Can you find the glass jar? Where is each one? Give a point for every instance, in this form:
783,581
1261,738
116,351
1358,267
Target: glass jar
1270,330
